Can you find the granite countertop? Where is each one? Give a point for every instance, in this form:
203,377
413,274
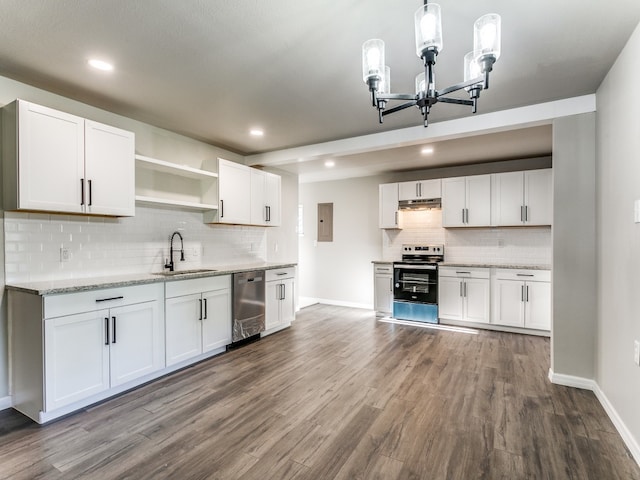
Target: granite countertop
493,265
479,265
52,287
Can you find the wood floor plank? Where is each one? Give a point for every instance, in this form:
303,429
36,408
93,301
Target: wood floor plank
339,395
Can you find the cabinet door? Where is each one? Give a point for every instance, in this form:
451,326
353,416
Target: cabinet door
478,200
508,304
109,170
137,341
450,298
183,328
76,358
216,322
234,186
453,201
273,292
273,199
288,302
258,197
538,191
538,305
477,300
383,293
50,159
431,188
508,198
388,205
408,191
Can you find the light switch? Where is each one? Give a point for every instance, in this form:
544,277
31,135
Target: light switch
636,211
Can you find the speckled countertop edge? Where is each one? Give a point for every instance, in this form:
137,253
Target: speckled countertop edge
73,285
479,265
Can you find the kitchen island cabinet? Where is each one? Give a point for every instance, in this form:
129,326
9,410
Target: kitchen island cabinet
57,162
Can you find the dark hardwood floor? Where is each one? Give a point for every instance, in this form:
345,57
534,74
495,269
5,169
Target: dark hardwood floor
337,396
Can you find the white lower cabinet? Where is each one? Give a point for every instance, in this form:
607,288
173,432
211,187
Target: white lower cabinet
522,298
115,346
71,348
383,288
198,317
280,309
464,294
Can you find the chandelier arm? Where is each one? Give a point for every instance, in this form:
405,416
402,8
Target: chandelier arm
457,101
398,108
397,96
460,86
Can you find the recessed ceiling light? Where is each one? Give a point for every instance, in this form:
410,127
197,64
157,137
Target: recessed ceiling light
426,150
329,163
101,65
256,132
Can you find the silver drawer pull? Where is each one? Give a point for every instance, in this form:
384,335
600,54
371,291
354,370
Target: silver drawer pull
460,273
280,274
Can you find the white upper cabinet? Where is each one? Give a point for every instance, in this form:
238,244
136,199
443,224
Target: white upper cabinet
234,186
388,205
265,198
466,201
248,196
523,198
109,170
421,189
57,162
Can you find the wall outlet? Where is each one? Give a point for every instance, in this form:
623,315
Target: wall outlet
65,255
636,352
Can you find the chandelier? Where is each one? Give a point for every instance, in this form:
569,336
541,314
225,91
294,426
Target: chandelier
428,28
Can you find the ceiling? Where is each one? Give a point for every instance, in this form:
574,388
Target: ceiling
212,70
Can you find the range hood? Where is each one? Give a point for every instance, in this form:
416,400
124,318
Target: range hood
420,204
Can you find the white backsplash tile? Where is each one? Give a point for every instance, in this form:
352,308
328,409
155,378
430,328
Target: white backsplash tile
106,246
495,245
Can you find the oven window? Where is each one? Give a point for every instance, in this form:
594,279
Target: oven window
416,285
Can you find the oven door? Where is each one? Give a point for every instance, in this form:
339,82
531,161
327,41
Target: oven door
415,292
415,283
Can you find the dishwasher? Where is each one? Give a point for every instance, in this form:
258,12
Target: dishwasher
248,305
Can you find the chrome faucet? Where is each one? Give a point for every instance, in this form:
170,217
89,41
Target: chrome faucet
169,263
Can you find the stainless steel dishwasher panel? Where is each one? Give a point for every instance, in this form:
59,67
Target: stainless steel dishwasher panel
248,304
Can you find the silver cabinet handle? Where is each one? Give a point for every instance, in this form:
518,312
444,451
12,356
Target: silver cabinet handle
522,293
526,213
465,289
463,215
396,217
391,285
460,273
461,289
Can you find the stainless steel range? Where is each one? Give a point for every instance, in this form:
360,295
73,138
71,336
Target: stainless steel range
415,283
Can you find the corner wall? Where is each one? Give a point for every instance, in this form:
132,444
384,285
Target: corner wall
618,237
574,271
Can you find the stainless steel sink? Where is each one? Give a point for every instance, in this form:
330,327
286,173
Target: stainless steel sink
184,272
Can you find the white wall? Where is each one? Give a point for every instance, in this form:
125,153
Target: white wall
618,239
103,246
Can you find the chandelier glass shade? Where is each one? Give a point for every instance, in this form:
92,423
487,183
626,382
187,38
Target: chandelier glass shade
428,32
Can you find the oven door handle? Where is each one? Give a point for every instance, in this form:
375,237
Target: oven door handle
416,267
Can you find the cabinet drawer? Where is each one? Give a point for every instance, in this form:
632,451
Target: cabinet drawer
178,288
386,269
72,303
280,273
523,275
464,272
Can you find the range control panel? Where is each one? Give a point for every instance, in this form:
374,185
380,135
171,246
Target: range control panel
423,249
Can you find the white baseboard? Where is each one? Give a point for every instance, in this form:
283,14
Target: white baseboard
339,303
627,437
587,384
308,301
5,402
571,381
